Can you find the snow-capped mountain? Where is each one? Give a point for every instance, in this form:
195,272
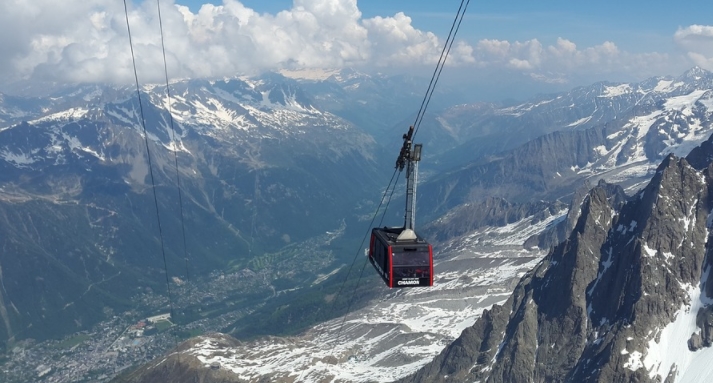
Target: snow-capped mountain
262,108
627,297
491,219
464,133
78,222
672,116
259,155
377,103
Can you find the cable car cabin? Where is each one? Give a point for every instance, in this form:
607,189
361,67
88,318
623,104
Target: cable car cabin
406,263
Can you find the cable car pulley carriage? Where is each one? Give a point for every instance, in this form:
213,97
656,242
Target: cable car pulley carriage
399,255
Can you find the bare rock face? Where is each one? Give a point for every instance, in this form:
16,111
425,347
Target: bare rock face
704,320
602,305
695,343
493,211
560,232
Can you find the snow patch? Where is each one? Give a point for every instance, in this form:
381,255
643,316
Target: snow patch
634,363
601,150
632,226
513,234
605,266
119,117
649,252
643,123
581,121
614,91
20,160
663,86
672,348
75,145
684,102
69,114
172,146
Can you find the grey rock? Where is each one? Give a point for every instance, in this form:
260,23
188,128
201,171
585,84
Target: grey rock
695,342
704,320
597,296
493,211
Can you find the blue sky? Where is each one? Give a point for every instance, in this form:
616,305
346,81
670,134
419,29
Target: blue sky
552,45
637,26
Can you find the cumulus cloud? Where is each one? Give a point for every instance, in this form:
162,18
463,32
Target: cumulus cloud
86,41
554,63
697,42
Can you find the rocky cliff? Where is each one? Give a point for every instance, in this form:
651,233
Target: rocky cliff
623,298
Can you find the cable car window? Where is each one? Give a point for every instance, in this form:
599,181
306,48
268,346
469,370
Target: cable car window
411,272
411,258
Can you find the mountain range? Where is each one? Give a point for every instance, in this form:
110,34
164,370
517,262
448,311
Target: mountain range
253,158
626,297
502,184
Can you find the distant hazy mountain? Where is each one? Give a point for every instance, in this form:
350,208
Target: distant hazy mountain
382,105
648,121
470,131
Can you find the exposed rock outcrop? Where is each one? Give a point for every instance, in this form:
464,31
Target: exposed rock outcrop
599,307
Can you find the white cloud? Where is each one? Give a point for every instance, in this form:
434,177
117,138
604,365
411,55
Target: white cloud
86,41
697,42
555,63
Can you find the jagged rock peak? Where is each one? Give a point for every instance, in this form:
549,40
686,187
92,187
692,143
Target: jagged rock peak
695,72
558,233
624,298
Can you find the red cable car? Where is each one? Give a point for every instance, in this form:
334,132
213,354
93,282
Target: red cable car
401,263
399,255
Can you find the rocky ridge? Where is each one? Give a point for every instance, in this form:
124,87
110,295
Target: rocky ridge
624,298
192,107
624,152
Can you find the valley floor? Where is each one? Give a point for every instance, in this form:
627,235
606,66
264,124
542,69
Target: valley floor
399,332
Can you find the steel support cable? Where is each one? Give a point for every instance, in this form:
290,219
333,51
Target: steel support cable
356,255
371,223
256,195
148,154
419,117
361,273
432,83
175,143
450,45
